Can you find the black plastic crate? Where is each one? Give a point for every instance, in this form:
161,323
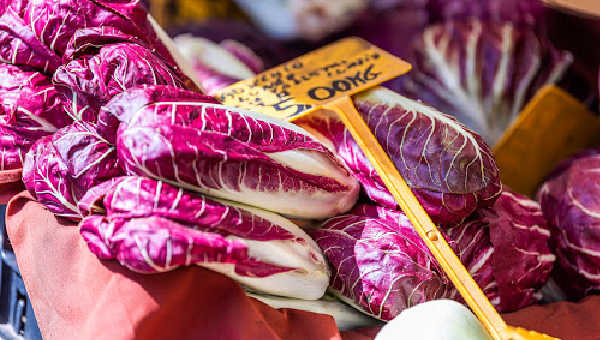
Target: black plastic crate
17,320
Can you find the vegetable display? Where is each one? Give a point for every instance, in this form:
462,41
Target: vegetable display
236,155
481,72
150,226
449,168
115,128
569,200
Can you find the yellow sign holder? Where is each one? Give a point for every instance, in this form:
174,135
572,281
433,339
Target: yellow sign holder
553,126
325,79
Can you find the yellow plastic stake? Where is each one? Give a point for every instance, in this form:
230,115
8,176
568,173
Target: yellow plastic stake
325,79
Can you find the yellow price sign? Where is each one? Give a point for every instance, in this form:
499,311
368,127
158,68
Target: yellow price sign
303,84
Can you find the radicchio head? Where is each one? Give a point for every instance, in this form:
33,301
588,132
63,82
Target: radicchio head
152,227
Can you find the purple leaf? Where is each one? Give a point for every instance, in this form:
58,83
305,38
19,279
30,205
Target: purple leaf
123,106
505,248
91,81
236,155
215,67
20,46
481,72
150,226
448,167
60,168
379,263
570,202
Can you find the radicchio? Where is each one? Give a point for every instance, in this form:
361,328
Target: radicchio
218,66
518,12
123,106
481,72
381,266
55,22
30,108
89,82
30,105
20,46
60,168
448,167
379,263
570,201
505,248
151,227
236,155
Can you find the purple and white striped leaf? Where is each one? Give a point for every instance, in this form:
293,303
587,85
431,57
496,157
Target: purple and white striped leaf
570,202
448,167
20,46
506,249
236,155
60,168
120,109
216,67
379,263
91,81
55,22
30,108
381,266
30,105
150,226
481,72
12,150
244,54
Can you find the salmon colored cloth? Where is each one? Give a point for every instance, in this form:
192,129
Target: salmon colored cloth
76,296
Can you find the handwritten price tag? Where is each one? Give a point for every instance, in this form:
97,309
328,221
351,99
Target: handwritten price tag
303,84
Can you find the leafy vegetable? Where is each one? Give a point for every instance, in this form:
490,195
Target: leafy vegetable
381,266
236,155
90,81
60,168
30,108
55,22
150,226
20,46
569,199
123,106
244,54
482,73
449,168
379,263
505,248
12,150
215,66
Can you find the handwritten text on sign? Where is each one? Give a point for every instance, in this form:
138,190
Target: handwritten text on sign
301,85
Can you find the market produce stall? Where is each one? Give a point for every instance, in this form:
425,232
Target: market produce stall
167,194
